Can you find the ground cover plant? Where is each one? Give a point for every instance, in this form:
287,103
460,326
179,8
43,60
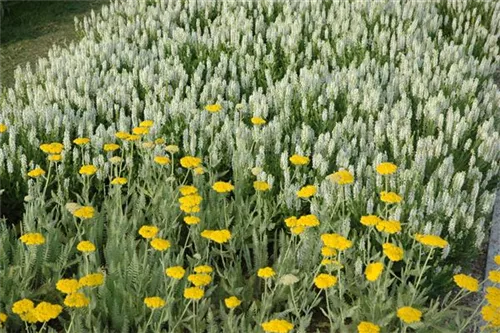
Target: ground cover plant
256,166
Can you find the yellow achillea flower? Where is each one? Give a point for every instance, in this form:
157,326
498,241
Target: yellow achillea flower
493,296
336,241
3,316
3,128
266,272
466,282
140,130
390,197
67,286
222,187
148,231
189,162
370,220
154,302
81,141
203,269
409,315
277,326
494,276
491,314
23,306
291,221
213,108
76,300
85,246
92,280
232,302
172,149
367,327
390,227
188,189
342,177
328,251
119,181
175,272
190,220
299,160
307,191
309,220
160,244
110,147
324,281
393,252
218,236
198,171
189,209
373,271
193,293
122,135
162,160
297,230
431,240
29,316
85,212
199,279
33,238
37,172
497,259
259,185
45,311
386,168
146,123
88,170
258,121
54,158
132,137
52,148
190,200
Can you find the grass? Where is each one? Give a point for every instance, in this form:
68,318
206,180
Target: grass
30,28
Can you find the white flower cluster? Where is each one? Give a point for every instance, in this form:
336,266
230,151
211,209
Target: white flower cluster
350,84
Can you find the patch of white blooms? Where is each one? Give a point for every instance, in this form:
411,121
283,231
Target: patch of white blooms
348,84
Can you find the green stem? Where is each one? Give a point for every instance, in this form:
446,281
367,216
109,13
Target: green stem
420,276
180,319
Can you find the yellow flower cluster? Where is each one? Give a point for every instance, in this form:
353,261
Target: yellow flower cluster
218,236
68,286
108,147
393,252
91,280
390,197
307,191
190,162
390,227
368,327
466,282
175,272
232,302
259,185
154,302
81,141
373,271
299,160
266,272
258,121
342,177
37,172
88,170
200,279
222,187
43,312
277,326
213,108
409,315
193,293
34,238
119,181
52,148
431,240
370,220
85,212
85,246
160,244
386,168
336,241
162,160
324,281
190,203
76,300
148,231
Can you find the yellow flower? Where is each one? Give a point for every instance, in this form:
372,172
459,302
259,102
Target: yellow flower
172,149
190,162
491,314
45,311
390,197
35,173
494,276
370,220
175,272
299,159
52,148
3,316
162,160
67,286
232,302
132,137
193,293
336,241
154,302
431,240
307,191
119,181
367,327
373,271
493,296
261,185
190,209
190,220
218,236
160,244
146,123
222,187
309,220
342,177
190,200
92,280
386,168
54,158
110,147
3,128
33,238
297,230
122,135
497,259
76,300
203,269
85,246
88,170
188,189
140,130
393,252
266,272
328,251
213,108
23,306
81,141
277,326
323,281
466,282
148,231
291,222
390,227
258,121
409,315
199,279
85,212
198,171
29,316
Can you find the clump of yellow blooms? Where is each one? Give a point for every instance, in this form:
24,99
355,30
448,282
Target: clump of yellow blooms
190,220
81,141
33,238
194,293
373,271
110,147
213,108
494,276
160,244
162,160
307,191
218,236
85,212
299,159
140,131
3,128
199,279
190,162
390,227
342,177
91,280
3,316
88,170
52,148
148,231
336,241
54,158
324,281
232,302
119,181
222,187
175,272
259,185
188,189
76,300
154,302
146,123
466,282
368,327
277,326
409,315
37,172
258,121
386,168
85,246
266,272
370,220
67,286
393,252
431,240
390,197
203,269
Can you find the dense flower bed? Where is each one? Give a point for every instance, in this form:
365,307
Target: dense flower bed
253,166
